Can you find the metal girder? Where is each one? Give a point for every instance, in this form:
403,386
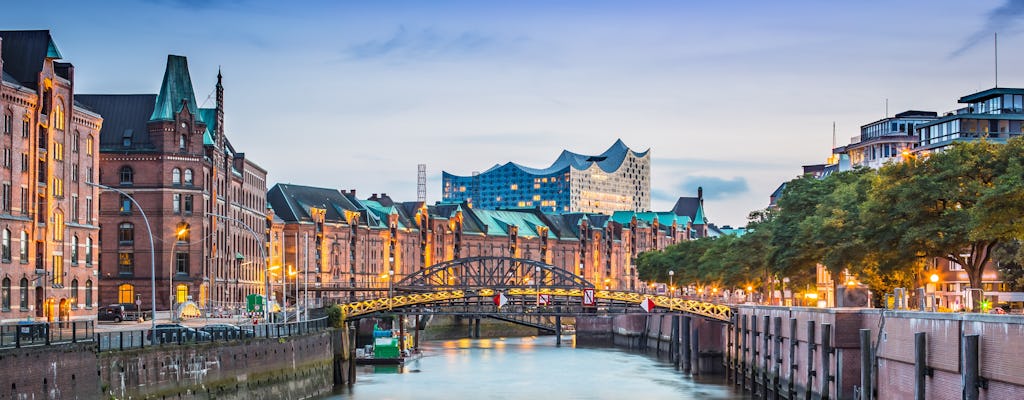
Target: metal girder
494,272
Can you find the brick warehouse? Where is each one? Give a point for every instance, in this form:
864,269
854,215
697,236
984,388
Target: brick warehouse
48,225
174,158
361,240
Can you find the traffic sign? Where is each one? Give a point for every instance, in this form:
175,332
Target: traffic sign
500,300
543,299
647,304
588,297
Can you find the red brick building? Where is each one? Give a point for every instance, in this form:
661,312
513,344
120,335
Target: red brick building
175,160
48,226
355,243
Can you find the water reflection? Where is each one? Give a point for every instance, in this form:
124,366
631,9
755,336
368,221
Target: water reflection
531,367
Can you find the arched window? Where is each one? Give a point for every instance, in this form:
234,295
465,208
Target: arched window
5,248
5,293
183,231
23,295
58,225
58,114
88,145
88,250
175,176
74,250
76,138
88,294
182,142
23,253
182,294
126,234
126,293
127,175
74,293
188,177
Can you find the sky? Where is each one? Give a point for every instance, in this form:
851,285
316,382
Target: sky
731,96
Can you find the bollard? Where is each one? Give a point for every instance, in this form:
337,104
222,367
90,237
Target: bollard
754,355
696,351
744,332
686,357
777,354
920,367
558,331
970,367
866,390
766,356
791,385
736,355
673,340
826,360
808,385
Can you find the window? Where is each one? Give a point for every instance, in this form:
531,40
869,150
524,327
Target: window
58,187
125,263
58,151
23,254
182,232
8,123
75,139
181,293
126,138
188,177
88,210
181,262
187,207
88,250
125,293
74,250
58,114
74,293
126,205
127,175
126,234
88,294
74,172
5,293
88,145
26,127
182,143
176,203
58,226
24,162
58,270
89,176
5,248
6,198
23,295
7,157
74,208
175,176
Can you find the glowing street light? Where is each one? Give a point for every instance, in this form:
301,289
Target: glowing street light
671,273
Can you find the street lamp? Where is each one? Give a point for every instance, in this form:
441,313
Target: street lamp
536,277
391,288
152,251
672,287
266,265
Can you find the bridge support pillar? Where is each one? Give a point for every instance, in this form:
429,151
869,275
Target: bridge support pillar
687,356
558,331
673,343
695,342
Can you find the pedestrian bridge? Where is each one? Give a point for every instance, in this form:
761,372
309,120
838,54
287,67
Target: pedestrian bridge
468,286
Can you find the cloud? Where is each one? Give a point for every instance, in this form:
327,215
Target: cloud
197,4
1000,18
714,188
661,195
713,163
426,43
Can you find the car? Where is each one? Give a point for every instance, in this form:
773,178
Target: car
113,312
170,333
227,331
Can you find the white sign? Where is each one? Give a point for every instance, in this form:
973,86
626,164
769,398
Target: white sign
500,300
588,297
543,299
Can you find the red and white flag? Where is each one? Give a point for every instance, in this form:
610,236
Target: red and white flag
647,304
500,300
543,299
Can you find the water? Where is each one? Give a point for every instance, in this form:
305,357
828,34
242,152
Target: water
531,367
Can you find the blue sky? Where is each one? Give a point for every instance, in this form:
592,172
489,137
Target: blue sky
731,96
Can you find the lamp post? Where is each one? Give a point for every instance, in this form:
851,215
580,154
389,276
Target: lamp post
391,288
536,277
266,265
671,286
152,251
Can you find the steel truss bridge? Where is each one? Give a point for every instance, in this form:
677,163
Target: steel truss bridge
467,286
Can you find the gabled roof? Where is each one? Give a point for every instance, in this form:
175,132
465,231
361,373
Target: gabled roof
175,89
498,222
24,52
292,203
123,114
209,117
687,206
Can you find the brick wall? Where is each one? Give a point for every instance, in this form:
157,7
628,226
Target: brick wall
59,371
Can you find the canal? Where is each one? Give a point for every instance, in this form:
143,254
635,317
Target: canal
530,367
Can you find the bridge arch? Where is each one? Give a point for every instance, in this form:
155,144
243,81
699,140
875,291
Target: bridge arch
490,272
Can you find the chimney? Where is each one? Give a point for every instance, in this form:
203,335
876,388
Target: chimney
700,194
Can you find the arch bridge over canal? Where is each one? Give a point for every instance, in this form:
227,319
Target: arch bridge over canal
467,286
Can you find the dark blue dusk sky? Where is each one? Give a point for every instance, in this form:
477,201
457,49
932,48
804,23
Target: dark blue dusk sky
734,96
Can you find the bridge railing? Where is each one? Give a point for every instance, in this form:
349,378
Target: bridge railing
28,333
171,336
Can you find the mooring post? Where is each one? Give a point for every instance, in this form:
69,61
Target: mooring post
352,330
558,331
657,342
791,376
826,360
755,356
736,354
766,356
687,355
745,332
777,354
673,341
866,391
695,341
920,364
809,384
970,367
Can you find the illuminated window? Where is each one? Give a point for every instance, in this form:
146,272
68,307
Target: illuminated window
462,188
58,270
88,145
58,225
58,115
514,187
536,197
126,262
125,293
181,294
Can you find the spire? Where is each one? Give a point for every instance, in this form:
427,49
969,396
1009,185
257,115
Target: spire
175,91
219,128
698,218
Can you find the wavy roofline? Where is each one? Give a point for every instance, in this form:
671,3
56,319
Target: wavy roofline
608,161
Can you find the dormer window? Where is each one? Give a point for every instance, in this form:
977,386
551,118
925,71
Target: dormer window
126,138
182,142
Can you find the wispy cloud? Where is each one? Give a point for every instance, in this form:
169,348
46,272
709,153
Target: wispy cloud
714,188
661,195
423,43
197,4
1001,18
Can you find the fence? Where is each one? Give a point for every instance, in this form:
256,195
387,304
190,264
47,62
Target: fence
45,333
181,335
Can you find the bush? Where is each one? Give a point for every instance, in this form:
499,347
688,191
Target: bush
334,316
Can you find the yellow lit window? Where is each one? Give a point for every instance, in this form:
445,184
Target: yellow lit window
125,293
522,204
536,186
88,145
536,197
545,180
462,188
514,187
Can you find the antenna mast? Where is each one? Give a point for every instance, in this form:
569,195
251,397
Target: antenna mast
995,39
421,183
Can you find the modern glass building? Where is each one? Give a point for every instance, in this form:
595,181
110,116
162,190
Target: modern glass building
618,179
996,114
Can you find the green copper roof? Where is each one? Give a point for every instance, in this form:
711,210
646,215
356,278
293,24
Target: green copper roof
51,50
498,222
209,117
699,218
177,87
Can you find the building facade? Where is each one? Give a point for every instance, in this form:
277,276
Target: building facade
618,179
335,240
996,114
884,140
205,202
48,214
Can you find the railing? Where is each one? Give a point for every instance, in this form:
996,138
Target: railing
181,335
45,333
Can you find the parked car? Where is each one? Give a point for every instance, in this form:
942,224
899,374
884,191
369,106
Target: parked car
227,331
113,312
170,333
